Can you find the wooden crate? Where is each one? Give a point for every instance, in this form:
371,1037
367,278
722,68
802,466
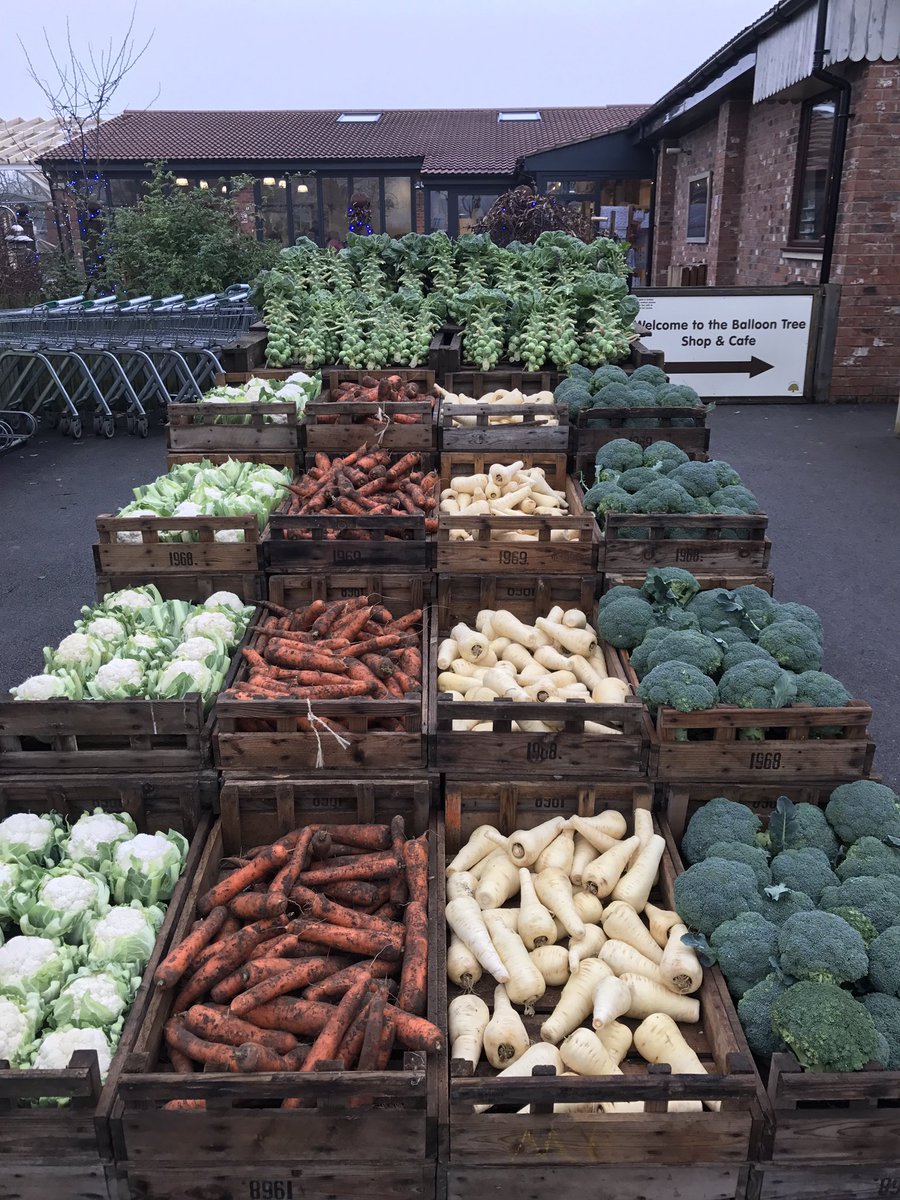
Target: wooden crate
569,752
681,801
469,382
192,427
611,579
655,1154
333,377
195,586
272,458
710,552
151,556
398,592
460,597
445,351
256,737
485,555
67,1152
527,433
589,434
244,1144
347,429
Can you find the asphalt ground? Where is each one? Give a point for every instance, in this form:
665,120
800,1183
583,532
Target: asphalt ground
826,475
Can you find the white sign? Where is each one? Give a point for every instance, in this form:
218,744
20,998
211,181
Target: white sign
731,345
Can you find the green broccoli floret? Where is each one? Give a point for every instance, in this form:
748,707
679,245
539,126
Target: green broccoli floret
713,609
663,496
744,950
756,683
641,397
619,455
778,903
757,607
676,618
725,473
646,391
698,478
648,373
626,622
806,870
742,652
612,395
858,921
735,496
690,646
719,820
620,592
877,897
574,394
639,655
731,635
669,585
755,1011
678,684
861,808
793,826
870,856
754,856
714,891
793,645
802,613
604,375
638,477
884,961
825,1027
885,1012
607,497
677,395
664,457
733,533
822,947
820,690
582,374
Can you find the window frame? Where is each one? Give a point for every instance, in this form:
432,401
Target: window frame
794,241
704,240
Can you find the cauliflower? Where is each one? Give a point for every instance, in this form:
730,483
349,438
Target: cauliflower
183,676
19,1021
55,1050
106,629
128,598
225,600
197,648
187,508
64,901
228,535
134,537
12,879
34,966
76,650
126,934
213,624
94,834
98,998
41,687
29,837
118,678
147,867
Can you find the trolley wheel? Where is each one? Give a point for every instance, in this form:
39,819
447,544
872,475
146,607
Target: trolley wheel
76,428
142,426
130,422
65,424
96,423
108,427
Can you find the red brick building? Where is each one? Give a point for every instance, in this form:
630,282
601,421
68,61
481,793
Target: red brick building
748,167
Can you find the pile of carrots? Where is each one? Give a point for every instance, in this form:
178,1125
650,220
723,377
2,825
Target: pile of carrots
391,390
331,651
312,950
363,484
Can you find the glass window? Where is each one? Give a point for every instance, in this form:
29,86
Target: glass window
397,206
244,207
305,202
571,187
471,208
123,193
335,199
365,196
813,167
273,209
698,209
437,205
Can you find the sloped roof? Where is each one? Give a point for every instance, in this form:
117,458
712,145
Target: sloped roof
24,141
447,141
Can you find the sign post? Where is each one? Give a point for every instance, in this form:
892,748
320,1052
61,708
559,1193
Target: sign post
734,342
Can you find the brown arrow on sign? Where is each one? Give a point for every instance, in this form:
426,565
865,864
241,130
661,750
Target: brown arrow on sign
756,366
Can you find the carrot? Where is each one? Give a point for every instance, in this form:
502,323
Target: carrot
264,864
337,984
399,893
212,1053
180,957
366,866
410,662
414,975
218,1025
326,1044
313,905
352,941
302,620
320,846
372,1036
277,609
328,691
303,973
366,837
184,1105
285,654
385,1045
303,1018
288,945
286,878
384,641
253,906
181,1064
352,627
252,1058
415,858
355,893
415,1033
403,466
249,975
233,952
351,1044
387,911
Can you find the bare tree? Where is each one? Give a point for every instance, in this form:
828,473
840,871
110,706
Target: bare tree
79,90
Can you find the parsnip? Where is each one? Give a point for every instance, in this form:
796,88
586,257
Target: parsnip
623,959
659,1040
553,963
461,883
573,617
603,831
584,853
610,691
464,918
588,907
518,656
602,875
447,651
467,1018
660,921
497,883
551,658
505,1036
621,921
635,886
480,695
648,997
525,984
584,1053
558,854
506,624
525,845
612,999
468,670
589,946
555,891
479,846
538,1055
616,1037
585,673
449,681
577,641
556,613
576,1000
679,966
536,926
463,968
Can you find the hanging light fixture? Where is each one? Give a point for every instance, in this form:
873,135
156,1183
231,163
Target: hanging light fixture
302,188
203,185
269,180
181,181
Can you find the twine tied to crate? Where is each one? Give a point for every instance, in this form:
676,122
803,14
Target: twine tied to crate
386,423
313,722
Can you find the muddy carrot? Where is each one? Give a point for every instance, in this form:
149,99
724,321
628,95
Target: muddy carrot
335,986
367,837
254,906
285,654
216,1024
314,905
286,878
320,846
214,1053
232,953
250,974
303,973
384,641
303,1018
180,958
252,1058
414,974
324,1048
302,619
415,1033
266,863
355,893
385,1045
366,866
352,941
415,858
181,1064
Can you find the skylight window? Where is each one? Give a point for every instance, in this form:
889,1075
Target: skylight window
518,116
358,118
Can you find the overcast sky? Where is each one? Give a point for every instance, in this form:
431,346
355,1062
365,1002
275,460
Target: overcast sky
380,53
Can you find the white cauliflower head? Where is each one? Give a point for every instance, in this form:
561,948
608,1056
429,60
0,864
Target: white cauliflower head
120,676
187,508
41,687
56,1049
28,832
94,831
216,624
224,600
128,598
106,629
181,676
77,649
196,648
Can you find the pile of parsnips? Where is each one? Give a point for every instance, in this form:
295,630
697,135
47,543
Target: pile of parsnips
543,403
508,491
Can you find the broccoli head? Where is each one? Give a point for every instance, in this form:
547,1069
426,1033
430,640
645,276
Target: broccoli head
885,1012
574,394
719,820
677,395
669,585
604,375
735,496
605,497
884,961
791,611
793,826
639,655
756,683
825,1027
756,607
753,856
690,646
820,690
619,455
612,395
859,921
733,533
663,496
698,478
620,592
744,950
742,652
648,373
732,635
582,374
878,897
755,1011
664,456
715,891
638,477
870,856
676,618
677,684
822,947
713,610
725,473
778,903
806,870
861,808
626,622
793,645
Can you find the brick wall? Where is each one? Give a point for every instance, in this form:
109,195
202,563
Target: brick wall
751,152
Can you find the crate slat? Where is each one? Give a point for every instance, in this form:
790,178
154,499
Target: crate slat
635,579
192,427
194,586
711,552
153,556
589,435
